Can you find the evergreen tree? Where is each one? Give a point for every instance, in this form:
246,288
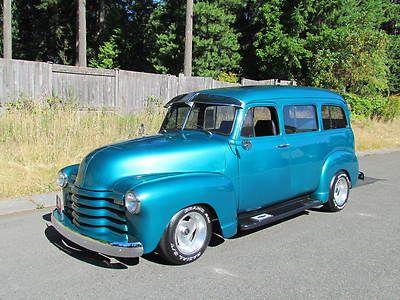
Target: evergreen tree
215,42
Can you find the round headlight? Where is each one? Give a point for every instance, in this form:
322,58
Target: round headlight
132,204
62,179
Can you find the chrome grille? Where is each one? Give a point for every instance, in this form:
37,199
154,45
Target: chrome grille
101,216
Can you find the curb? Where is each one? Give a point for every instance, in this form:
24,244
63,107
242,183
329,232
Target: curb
27,203
376,152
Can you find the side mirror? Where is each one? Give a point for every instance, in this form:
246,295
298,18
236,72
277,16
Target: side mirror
246,144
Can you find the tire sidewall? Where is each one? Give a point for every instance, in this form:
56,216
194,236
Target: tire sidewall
169,246
332,202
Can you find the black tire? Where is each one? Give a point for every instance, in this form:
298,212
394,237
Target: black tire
335,203
169,246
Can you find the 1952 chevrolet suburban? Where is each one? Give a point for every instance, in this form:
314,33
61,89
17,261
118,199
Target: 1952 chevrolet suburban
224,160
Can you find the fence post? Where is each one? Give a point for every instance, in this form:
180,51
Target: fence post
50,92
116,93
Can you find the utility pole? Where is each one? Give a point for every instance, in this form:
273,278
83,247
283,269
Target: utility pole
81,34
187,65
7,37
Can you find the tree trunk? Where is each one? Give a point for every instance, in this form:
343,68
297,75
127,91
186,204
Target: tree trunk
7,37
187,69
81,33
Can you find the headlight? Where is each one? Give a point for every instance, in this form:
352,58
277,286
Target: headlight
132,203
62,179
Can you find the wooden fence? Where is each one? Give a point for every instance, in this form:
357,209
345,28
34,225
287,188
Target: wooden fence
121,90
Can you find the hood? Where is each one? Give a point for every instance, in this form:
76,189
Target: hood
178,152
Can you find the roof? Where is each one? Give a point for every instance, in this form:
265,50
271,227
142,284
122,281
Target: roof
240,96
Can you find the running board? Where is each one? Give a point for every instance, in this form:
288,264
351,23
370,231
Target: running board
260,217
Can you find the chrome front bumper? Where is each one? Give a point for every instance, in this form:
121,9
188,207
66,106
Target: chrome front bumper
117,249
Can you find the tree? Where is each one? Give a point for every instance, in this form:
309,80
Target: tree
188,39
336,44
81,33
392,28
7,37
107,56
215,41
166,29
44,30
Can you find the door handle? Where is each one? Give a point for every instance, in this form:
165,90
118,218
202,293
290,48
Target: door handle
283,145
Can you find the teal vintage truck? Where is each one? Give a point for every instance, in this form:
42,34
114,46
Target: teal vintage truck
224,160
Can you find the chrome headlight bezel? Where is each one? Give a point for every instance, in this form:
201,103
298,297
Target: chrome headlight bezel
132,203
62,179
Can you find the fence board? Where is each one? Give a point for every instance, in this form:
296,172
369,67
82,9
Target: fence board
89,87
125,91
20,78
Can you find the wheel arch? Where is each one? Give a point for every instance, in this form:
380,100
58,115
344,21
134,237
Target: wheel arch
337,161
163,198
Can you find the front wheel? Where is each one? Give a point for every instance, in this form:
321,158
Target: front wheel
339,192
186,236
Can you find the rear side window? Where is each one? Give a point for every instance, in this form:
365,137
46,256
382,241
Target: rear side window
300,118
333,117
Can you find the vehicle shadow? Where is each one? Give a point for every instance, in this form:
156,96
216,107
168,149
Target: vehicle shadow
104,261
244,233
155,257
368,180
83,254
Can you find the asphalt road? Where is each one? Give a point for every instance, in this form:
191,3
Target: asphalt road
351,254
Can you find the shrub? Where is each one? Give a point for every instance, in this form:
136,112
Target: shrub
392,108
376,107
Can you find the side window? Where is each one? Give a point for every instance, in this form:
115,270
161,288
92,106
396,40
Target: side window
333,117
300,118
260,121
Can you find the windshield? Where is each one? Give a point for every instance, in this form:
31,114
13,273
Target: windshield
208,117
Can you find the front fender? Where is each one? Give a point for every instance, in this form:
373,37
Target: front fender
162,198
336,161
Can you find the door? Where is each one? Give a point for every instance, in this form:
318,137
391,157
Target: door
264,163
306,147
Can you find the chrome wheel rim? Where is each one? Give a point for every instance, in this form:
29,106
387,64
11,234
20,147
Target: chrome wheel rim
341,191
191,233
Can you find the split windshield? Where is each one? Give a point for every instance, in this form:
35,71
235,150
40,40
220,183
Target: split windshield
206,117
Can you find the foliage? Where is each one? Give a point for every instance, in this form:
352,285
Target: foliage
376,107
392,108
107,56
215,42
166,29
336,44
347,45
394,63
228,77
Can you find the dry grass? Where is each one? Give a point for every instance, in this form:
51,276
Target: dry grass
35,143
373,134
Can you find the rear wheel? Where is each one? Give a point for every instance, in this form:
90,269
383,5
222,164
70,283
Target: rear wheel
187,235
339,192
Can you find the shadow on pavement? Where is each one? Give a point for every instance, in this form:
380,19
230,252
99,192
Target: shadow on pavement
85,255
368,180
104,261
241,234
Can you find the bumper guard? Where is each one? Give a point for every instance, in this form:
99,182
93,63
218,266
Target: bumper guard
117,249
